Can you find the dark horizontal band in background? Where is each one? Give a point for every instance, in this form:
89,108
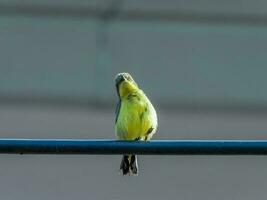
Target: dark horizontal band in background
114,12
87,103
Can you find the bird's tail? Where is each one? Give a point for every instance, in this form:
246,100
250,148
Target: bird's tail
129,165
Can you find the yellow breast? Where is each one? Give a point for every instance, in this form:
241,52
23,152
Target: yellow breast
135,117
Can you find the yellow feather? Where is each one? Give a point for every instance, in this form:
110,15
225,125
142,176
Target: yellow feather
136,115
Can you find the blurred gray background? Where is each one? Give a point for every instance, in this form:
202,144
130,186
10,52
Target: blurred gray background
202,64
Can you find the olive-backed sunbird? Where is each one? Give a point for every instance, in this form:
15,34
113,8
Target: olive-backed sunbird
136,118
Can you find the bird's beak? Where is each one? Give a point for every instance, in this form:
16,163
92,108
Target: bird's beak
120,78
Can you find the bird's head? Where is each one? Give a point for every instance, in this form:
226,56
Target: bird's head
125,84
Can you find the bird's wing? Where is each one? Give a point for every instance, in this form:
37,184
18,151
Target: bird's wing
118,107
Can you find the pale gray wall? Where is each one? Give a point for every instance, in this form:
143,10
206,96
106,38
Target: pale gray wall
66,177
177,62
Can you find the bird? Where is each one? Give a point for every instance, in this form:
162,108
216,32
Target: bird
136,118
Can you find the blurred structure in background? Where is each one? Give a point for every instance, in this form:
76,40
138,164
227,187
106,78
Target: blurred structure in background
202,63
186,54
